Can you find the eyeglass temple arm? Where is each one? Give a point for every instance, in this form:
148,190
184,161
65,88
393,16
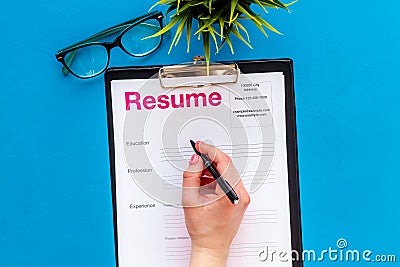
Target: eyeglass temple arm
108,31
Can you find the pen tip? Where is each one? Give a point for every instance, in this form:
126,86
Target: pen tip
194,146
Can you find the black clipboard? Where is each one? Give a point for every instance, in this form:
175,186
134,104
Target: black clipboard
246,66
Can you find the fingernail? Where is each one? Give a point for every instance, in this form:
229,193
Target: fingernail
194,159
198,144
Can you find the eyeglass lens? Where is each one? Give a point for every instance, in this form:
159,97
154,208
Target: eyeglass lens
88,61
132,41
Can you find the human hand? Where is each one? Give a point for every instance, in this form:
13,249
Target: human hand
211,219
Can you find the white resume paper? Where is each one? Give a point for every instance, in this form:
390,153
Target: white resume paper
152,127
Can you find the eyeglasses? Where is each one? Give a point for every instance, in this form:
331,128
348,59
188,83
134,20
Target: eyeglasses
89,58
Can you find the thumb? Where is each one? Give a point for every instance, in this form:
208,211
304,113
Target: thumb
191,182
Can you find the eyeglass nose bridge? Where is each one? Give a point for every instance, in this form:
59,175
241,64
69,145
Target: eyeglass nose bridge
116,43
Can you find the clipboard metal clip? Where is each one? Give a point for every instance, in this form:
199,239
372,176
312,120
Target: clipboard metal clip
195,74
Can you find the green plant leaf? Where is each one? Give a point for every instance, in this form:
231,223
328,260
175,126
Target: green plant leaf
171,24
261,5
291,3
170,9
179,31
221,26
251,15
257,19
199,24
243,29
162,2
274,4
206,45
189,32
238,35
269,26
189,5
233,7
280,4
262,30
228,40
210,21
212,33
226,14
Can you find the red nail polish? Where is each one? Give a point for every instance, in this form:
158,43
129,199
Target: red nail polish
194,159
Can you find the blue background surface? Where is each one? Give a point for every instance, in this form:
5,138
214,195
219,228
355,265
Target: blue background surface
55,198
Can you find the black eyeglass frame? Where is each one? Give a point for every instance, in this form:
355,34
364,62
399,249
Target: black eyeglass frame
92,40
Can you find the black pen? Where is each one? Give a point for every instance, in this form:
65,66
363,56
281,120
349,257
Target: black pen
225,186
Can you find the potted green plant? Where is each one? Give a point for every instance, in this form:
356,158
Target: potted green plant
216,20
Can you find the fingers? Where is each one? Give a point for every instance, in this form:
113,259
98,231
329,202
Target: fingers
213,153
207,180
207,188
224,165
192,181
221,161
191,177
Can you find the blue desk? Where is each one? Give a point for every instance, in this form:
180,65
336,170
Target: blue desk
55,198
